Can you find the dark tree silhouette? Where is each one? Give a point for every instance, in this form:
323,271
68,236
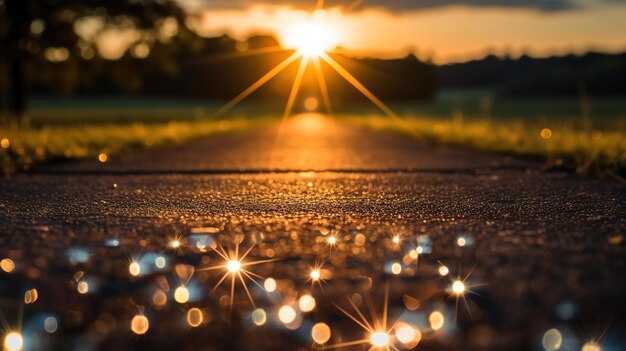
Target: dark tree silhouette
39,42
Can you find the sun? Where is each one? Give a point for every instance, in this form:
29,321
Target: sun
312,37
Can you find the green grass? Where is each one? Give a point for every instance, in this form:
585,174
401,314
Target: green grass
84,128
30,146
572,144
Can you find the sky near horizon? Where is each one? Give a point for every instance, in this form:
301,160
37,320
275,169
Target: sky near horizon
441,30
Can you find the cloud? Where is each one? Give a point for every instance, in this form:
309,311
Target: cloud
402,5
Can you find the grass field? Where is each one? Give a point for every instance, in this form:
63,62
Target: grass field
587,138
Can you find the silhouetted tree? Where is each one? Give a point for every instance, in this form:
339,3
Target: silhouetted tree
40,41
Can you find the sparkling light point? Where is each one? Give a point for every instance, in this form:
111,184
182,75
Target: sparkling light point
458,287
379,339
315,274
13,341
233,266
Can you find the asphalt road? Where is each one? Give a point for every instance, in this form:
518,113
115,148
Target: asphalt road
542,249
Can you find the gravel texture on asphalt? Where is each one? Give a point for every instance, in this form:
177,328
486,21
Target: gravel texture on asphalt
541,250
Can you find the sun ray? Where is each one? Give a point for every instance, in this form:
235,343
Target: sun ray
235,267
349,315
246,289
232,290
345,344
323,86
358,85
259,83
220,281
378,336
259,262
296,86
385,309
360,314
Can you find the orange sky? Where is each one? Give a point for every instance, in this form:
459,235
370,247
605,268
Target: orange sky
444,34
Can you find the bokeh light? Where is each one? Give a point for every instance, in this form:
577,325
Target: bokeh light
139,324
405,333
436,320
321,333
194,317
552,340
50,325
269,285
181,294
7,265
306,303
286,314
259,317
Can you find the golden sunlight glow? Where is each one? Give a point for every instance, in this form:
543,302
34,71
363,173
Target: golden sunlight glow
13,341
312,37
379,339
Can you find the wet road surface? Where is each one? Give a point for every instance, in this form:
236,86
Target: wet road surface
105,245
